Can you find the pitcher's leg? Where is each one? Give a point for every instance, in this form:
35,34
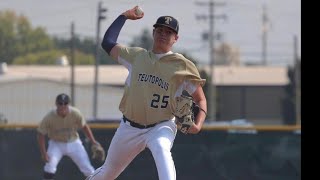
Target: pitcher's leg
160,145
124,147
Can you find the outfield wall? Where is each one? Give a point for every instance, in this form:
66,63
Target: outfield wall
217,153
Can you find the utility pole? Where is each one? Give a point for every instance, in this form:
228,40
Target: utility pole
265,29
100,17
212,87
297,72
72,65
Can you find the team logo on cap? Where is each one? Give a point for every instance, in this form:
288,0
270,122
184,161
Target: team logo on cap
63,97
168,19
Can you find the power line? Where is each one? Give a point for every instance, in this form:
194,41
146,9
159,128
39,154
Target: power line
100,17
211,17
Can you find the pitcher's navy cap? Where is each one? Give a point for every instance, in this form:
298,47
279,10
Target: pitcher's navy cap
169,22
62,98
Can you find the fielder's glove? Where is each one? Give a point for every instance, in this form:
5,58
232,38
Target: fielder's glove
185,113
98,152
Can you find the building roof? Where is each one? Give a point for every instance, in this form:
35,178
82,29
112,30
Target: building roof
116,74
249,75
112,74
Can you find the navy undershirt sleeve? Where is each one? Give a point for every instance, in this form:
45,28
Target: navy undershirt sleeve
111,36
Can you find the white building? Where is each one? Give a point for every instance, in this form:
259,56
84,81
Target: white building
28,92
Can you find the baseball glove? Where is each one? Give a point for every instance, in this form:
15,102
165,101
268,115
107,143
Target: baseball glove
185,112
98,152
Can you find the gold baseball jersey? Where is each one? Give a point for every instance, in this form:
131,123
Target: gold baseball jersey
62,128
152,83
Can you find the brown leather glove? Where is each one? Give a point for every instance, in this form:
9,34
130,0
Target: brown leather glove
98,152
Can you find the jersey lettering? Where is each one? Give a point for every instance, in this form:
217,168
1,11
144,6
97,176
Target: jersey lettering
154,80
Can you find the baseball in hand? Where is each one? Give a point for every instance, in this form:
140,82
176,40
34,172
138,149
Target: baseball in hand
138,11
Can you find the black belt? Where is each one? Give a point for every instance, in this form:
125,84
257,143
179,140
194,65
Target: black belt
140,126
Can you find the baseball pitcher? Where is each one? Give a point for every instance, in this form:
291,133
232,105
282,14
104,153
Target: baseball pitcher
156,79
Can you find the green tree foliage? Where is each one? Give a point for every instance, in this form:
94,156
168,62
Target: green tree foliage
20,43
50,58
85,47
82,58
144,40
289,102
43,58
18,38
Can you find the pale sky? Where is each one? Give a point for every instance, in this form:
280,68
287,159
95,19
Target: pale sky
242,28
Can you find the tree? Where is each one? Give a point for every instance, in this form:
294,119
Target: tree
50,57
289,102
144,40
18,38
226,54
85,47
6,35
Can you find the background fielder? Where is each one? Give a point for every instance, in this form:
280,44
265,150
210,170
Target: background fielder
61,125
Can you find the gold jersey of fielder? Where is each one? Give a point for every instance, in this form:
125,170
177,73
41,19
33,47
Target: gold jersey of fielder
151,86
62,129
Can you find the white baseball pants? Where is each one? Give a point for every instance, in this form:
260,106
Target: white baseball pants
75,150
129,141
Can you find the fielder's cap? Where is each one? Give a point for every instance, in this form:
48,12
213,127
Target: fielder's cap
169,22
62,98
